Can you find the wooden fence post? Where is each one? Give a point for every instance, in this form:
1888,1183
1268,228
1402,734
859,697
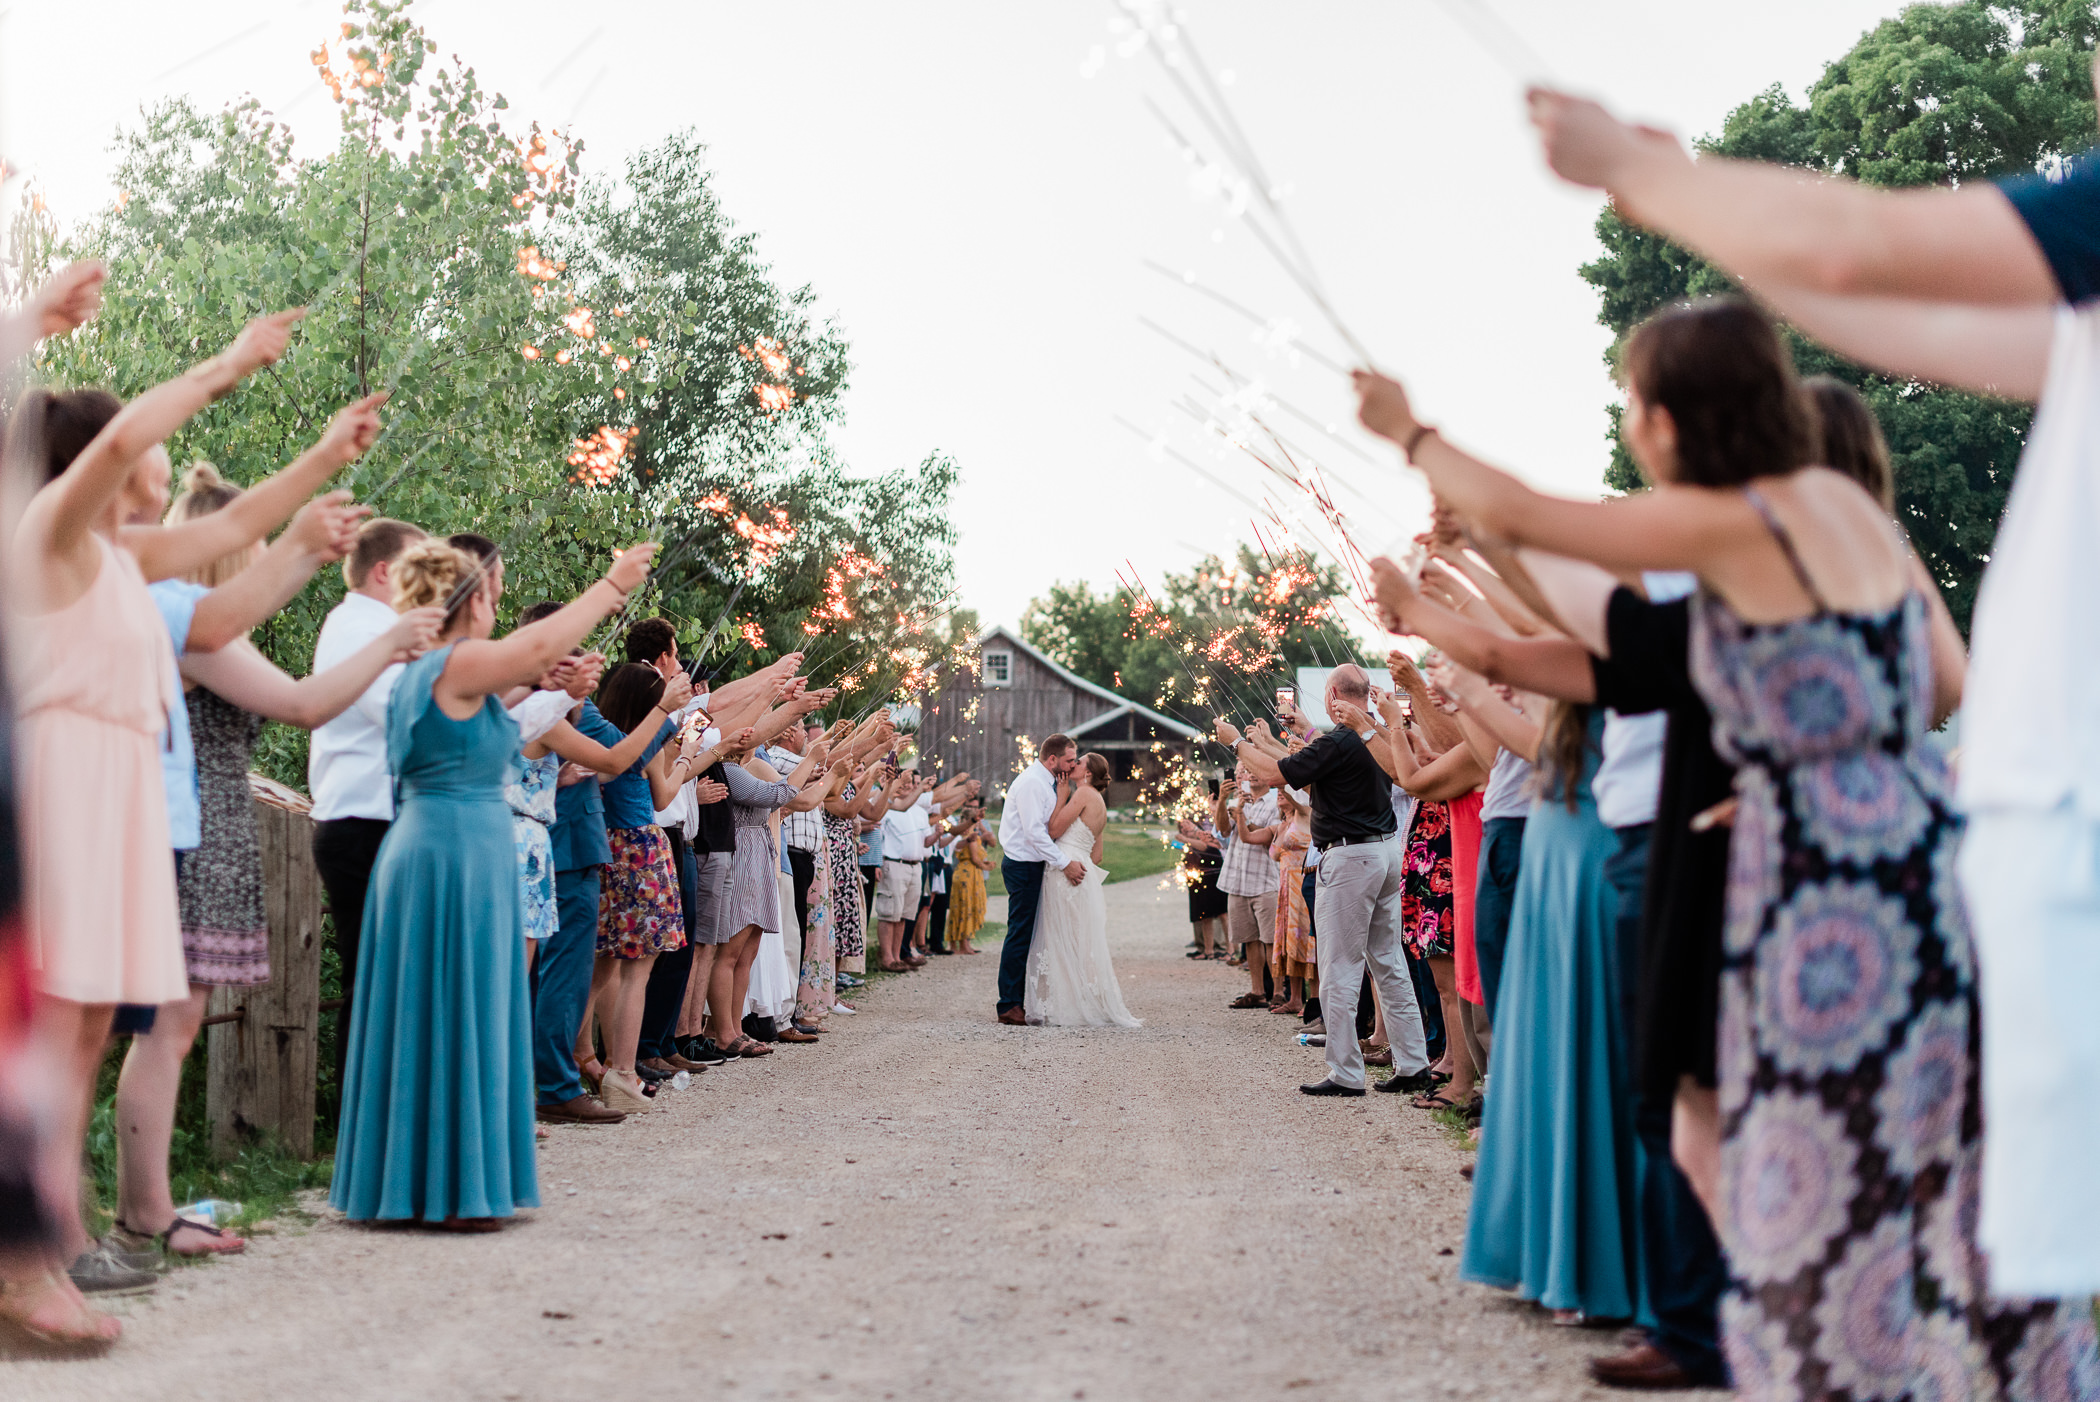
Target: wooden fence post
262,1063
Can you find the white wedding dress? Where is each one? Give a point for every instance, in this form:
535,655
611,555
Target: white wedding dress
1071,980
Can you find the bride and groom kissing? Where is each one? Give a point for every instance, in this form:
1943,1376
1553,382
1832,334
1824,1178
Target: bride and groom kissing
1055,970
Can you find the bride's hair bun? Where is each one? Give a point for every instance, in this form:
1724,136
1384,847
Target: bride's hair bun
1096,770
428,573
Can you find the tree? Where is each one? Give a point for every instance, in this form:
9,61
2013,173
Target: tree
1941,94
1213,641
572,367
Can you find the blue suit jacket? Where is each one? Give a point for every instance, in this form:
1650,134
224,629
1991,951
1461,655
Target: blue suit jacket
578,834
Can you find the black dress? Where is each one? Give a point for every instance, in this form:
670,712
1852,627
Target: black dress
1200,868
1677,1002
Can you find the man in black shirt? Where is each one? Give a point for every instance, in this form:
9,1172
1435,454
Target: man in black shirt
1361,858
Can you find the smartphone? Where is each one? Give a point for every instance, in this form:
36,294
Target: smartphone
1286,696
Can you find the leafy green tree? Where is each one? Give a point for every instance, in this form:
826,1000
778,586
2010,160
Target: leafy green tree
1213,641
571,367
1941,94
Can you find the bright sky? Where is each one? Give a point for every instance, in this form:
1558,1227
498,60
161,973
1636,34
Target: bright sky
976,212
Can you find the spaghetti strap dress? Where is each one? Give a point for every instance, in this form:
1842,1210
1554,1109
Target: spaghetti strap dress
437,1094
1851,1127
96,683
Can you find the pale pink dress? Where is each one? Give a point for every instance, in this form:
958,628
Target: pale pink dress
94,682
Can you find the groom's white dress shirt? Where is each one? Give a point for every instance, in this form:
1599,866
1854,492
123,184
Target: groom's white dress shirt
1024,829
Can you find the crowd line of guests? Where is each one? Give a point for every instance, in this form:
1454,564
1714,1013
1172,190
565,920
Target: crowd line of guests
560,887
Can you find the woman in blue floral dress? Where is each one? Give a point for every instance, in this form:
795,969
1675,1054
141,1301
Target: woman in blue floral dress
1849,1100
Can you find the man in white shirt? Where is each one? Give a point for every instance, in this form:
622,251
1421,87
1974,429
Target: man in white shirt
1027,852
346,769
905,828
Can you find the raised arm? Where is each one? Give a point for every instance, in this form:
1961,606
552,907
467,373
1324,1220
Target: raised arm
166,551
1779,224
241,674
68,299
1452,774
323,531
479,666
1508,727
1548,663
62,514
2002,351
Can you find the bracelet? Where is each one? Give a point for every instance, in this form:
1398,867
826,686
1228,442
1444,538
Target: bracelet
606,580
1414,439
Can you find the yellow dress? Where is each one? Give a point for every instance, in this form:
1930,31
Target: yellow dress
966,898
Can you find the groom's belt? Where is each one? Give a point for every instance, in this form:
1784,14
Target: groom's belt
1357,841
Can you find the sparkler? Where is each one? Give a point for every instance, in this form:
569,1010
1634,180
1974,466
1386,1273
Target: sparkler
1275,330
1175,49
1502,43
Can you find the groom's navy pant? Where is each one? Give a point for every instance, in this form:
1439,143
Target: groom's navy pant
1024,891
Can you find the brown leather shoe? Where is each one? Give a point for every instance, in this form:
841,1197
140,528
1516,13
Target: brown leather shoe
679,1063
1644,1367
579,1110
794,1034
1014,1017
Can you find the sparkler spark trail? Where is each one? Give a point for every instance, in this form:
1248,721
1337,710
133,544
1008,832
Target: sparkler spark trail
1188,280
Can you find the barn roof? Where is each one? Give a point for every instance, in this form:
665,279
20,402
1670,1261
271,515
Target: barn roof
1118,705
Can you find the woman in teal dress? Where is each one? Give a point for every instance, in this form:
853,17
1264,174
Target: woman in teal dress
437,1122
1554,1212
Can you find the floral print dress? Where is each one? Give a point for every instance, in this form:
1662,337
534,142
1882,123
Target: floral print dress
1292,955
531,799
1428,917
816,985
1849,1096
849,930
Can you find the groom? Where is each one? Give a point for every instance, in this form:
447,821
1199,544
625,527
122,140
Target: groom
1027,852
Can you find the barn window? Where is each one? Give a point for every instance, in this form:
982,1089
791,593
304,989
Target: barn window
998,668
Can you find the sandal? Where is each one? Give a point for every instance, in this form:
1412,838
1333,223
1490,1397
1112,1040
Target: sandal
1434,1100
747,1046
81,1327
1249,1000
219,1242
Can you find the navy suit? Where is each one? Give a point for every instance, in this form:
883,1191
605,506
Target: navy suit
564,971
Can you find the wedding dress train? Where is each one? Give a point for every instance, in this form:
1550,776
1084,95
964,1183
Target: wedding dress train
1071,980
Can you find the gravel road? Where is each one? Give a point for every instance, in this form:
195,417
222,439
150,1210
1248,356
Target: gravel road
926,1206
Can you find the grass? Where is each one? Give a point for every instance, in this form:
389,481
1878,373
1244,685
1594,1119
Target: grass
263,1177
1128,851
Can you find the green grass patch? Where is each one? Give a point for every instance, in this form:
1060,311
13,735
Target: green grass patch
263,1177
1128,851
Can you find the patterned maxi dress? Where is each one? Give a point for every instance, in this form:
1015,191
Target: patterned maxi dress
817,987
848,915
1428,919
225,927
1851,1134
1292,955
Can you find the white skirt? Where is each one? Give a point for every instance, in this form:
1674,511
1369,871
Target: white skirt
774,973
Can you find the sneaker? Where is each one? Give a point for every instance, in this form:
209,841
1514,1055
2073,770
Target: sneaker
702,1051
842,1008
99,1271
849,981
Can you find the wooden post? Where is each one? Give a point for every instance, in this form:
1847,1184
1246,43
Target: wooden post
262,1064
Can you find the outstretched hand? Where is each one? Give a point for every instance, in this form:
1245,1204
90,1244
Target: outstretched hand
354,429
327,526
68,299
1586,145
1383,406
262,341
416,632
630,567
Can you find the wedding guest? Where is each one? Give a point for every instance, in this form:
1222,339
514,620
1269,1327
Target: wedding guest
966,906
1293,956
1248,877
231,691
1956,287
1360,877
639,917
755,890
1203,856
346,773
904,832
98,682
437,1120
1805,584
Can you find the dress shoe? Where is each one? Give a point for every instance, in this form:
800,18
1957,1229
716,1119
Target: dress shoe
579,1110
795,1034
1415,1084
1330,1088
649,1075
679,1063
759,1029
1014,1017
1643,1367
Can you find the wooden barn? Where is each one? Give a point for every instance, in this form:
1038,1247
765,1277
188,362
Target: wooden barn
976,721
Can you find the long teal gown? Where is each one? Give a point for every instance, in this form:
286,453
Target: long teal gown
437,1096
1554,1213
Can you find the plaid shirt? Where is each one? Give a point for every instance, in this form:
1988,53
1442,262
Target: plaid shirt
1250,870
802,831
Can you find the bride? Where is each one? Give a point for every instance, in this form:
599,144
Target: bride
1071,981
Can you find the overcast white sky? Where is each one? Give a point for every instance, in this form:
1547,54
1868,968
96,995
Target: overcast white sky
975,212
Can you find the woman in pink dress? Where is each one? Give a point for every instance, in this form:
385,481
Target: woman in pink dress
97,682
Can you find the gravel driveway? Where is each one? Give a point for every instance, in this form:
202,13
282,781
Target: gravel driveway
928,1205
